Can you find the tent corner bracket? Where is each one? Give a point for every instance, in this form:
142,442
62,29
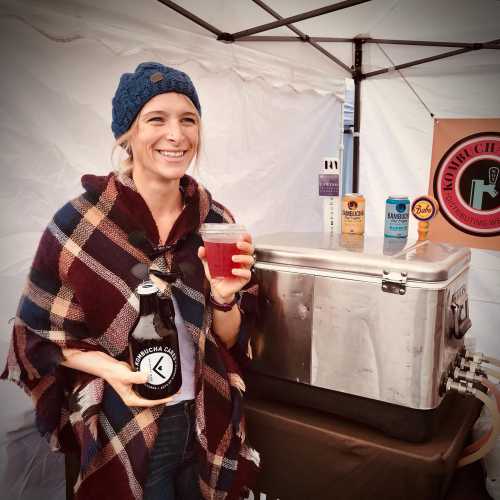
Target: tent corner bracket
225,38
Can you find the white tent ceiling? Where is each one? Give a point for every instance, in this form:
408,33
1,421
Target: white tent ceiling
442,20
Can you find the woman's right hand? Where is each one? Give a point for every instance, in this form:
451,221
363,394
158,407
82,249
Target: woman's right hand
117,374
122,378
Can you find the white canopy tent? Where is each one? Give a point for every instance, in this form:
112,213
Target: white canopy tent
271,111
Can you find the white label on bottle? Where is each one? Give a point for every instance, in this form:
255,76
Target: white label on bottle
158,364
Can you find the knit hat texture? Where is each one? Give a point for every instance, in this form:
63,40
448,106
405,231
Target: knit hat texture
136,89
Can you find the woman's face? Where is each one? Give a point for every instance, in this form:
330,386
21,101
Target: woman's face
166,138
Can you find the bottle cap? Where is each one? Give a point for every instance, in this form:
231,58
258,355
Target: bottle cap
147,288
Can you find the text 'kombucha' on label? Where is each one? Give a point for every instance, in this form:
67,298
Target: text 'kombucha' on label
353,213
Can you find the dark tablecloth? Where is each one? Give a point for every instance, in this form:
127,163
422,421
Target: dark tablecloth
307,455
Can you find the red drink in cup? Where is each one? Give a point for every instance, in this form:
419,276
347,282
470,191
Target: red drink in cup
219,258
220,244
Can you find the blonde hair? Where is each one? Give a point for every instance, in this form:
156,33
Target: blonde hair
122,146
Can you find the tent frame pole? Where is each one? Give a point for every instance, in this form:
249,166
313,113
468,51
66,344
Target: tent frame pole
302,37
445,55
345,4
328,39
189,15
357,77
425,43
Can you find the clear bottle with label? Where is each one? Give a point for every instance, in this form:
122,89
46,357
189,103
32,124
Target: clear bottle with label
154,345
329,191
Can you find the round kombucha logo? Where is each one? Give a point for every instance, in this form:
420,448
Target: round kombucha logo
159,366
423,208
467,184
352,205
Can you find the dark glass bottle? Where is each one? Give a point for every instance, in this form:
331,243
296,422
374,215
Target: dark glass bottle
154,346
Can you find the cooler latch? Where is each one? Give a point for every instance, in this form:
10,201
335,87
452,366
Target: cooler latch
460,322
394,282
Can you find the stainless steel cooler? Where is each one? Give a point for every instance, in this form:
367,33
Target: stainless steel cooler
374,318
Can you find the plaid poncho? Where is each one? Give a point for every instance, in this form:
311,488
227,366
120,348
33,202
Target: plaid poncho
80,294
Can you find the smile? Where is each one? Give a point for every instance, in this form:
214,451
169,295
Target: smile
171,154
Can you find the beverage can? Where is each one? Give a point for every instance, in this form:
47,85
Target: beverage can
397,216
353,213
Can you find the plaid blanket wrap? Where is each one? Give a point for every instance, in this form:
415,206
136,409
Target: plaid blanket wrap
80,294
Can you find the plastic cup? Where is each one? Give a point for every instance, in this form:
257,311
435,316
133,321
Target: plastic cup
220,245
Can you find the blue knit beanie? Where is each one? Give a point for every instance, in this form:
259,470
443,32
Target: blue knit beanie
136,89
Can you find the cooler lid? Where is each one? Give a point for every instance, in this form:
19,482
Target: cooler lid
421,260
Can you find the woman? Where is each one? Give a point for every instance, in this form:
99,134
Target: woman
69,348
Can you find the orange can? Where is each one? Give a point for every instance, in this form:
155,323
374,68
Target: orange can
353,213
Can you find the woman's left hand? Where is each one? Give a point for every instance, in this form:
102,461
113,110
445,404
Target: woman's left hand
224,289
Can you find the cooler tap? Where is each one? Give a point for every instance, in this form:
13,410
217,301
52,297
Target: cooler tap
474,362
479,357
467,376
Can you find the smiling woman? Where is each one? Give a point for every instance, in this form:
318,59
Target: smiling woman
70,346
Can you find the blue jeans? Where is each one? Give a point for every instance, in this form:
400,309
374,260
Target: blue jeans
173,471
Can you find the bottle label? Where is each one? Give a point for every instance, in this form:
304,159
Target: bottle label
159,362
329,184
